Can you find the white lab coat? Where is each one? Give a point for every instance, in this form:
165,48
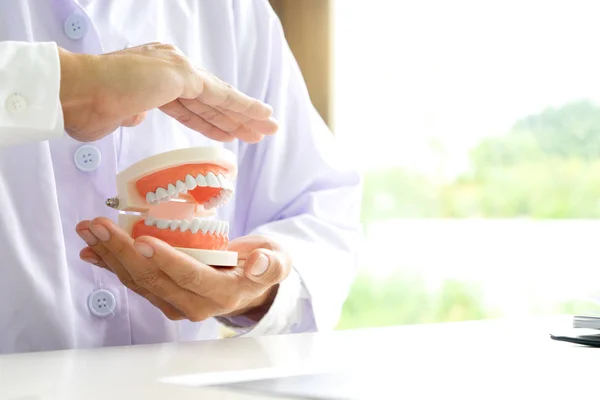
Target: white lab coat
291,186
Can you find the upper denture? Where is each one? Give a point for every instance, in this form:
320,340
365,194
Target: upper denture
207,183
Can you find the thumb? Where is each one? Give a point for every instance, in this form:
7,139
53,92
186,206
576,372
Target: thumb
265,267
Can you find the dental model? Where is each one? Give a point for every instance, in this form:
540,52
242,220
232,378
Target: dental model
169,195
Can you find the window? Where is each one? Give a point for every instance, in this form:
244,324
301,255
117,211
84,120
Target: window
477,125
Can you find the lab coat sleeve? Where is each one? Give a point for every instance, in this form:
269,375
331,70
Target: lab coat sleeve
30,109
295,188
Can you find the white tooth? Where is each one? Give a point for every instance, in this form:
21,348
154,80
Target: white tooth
185,225
149,221
161,194
201,180
226,228
218,228
195,225
210,204
150,197
190,182
163,223
223,199
175,224
204,226
222,181
171,190
211,180
212,226
181,187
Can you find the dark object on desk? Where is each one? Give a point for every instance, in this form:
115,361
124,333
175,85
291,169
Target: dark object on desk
586,340
586,331
586,322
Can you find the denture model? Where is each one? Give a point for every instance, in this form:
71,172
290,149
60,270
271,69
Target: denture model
169,196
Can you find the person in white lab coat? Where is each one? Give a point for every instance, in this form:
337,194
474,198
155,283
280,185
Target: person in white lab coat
122,80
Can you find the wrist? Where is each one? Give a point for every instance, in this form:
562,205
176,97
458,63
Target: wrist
257,309
76,85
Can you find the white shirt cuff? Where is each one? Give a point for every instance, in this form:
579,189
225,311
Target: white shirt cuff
30,108
289,312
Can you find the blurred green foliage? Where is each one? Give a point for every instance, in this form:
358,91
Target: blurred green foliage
546,166
402,299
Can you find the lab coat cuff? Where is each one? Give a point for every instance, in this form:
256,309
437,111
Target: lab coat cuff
322,302
30,108
284,314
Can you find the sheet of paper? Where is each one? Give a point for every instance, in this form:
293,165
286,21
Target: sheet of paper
301,383
342,385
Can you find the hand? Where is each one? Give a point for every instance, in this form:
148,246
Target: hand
99,93
180,286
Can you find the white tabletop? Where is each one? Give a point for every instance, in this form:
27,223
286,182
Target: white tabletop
470,360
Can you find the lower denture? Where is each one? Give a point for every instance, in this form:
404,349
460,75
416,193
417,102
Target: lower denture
186,239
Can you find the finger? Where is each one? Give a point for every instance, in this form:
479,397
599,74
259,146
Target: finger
186,271
215,92
109,259
183,269
267,126
143,274
133,49
245,245
221,121
177,111
134,120
205,282
238,125
212,115
266,267
89,255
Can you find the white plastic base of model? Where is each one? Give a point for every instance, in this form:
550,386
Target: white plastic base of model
215,258
131,200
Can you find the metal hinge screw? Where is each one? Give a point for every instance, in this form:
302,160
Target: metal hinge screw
112,202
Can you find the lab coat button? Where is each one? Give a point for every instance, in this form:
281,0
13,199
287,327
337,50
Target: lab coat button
102,303
15,104
87,157
75,26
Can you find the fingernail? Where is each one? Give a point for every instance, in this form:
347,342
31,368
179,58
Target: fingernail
145,249
90,259
260,266
88,237
101,232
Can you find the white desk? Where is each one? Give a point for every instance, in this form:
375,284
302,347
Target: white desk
471,360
